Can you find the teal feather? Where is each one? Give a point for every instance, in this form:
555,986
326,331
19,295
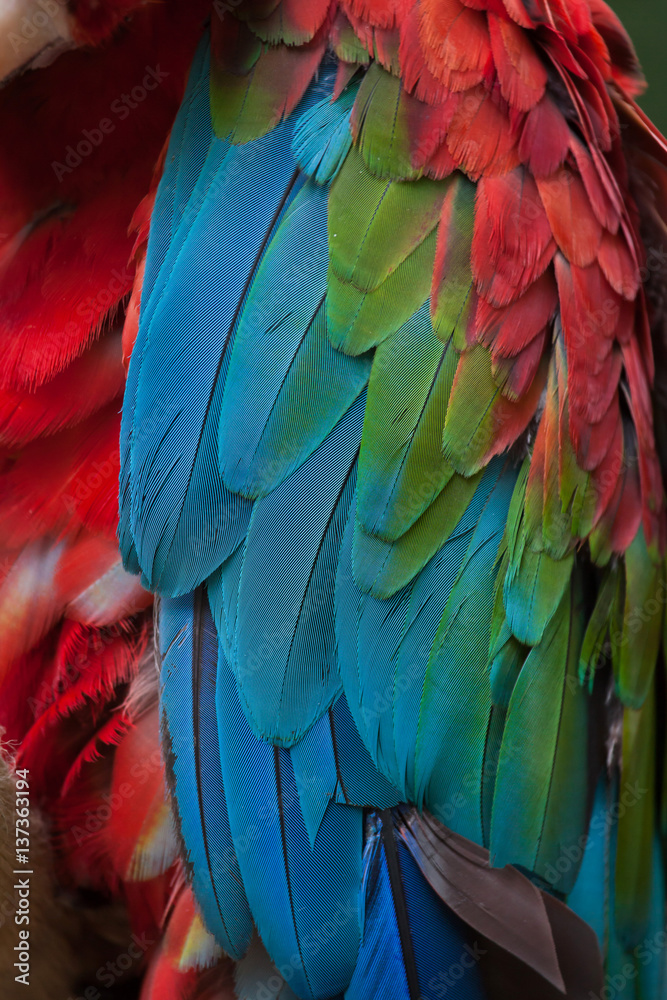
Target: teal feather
534,587
590,894
284,655
506,663
593,899
331,762
451,744
281,352
384,660
191,131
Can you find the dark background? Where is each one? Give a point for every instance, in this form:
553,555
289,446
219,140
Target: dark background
646,22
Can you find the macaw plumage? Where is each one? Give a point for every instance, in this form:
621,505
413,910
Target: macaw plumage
391,459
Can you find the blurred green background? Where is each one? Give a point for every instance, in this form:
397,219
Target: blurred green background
646,22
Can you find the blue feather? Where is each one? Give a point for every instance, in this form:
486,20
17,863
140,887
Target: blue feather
189,649
380,970
297,894
284,654
223,595
443,955
192,132
413,946
322,136
184,521
332,762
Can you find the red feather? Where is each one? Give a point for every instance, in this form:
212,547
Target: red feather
455,43
522,75
606,211
379,13
141,826
515,376
71,477
480,139
91,381
517,11
507,330
573,223
512,245
545,138
624,67
618,265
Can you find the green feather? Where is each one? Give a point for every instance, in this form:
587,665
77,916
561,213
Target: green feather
642,622
381,126
375,227
454,301
549,518
480,422
375,224
359,320
254,86
231,92
597,630
347,46
540,800
382,568
401,465
499,627
535,583
578,495
636,820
